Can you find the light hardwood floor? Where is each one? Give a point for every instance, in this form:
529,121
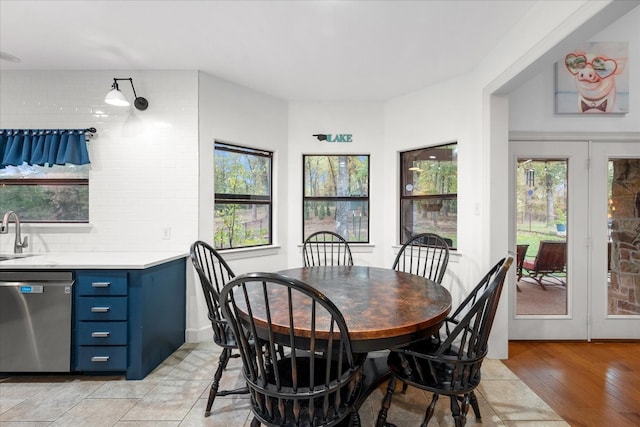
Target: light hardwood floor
587,384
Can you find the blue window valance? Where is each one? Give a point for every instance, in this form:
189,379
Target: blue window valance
43,147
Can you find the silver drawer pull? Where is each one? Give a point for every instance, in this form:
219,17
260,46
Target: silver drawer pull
100,284
100,359
100,334
100,309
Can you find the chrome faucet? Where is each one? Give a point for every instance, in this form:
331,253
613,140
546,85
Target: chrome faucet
4,229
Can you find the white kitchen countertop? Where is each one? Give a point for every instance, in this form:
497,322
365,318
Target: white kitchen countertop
90,260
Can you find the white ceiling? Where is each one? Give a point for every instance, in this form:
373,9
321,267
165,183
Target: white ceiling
296,50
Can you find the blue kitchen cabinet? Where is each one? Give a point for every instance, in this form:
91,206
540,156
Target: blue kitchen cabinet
128,320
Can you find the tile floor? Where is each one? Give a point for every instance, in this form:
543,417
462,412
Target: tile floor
175,394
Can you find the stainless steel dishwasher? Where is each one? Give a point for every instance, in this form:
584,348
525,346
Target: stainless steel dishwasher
35,321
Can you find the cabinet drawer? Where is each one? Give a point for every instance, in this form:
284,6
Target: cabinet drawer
102,333
94,358
100,282
102,308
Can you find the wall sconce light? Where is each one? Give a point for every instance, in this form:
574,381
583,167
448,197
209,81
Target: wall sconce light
115,97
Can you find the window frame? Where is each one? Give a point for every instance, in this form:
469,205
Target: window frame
244,199
410,198
366,198
71,182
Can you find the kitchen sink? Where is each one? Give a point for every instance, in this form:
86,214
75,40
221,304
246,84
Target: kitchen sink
7,257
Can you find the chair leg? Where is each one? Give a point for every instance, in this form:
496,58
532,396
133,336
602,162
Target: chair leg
539,280
255,422
459,412
474,404
355,419
386,402
222,364
405,386
455,412
431,409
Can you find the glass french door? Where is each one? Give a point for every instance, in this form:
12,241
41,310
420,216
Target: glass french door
615,255
549,200
585,195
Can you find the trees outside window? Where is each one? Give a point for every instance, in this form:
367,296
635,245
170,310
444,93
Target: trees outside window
243,204
429,192
336,195
541,201
46,194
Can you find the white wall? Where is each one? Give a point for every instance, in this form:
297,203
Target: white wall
472,109
415,121
151,169
532,105
364,120
132,199
237,115
142,178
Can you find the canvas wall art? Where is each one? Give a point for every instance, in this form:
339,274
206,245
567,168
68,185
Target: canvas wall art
593,79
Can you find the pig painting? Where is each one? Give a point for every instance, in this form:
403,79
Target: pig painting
595,80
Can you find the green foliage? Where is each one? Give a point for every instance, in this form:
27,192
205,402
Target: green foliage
52,203
541,194
242,176
321,176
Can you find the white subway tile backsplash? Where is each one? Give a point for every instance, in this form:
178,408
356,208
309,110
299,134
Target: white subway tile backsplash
144,172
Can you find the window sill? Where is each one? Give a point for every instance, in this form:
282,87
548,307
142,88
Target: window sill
55,228
356,248
243,253
454,254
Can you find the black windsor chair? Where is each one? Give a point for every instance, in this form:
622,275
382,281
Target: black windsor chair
450,364
425,255
214,273
326,248
315,380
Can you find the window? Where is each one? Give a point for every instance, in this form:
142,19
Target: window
57,194
428,193
243,205
336,196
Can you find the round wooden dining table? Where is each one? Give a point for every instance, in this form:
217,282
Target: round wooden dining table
383,308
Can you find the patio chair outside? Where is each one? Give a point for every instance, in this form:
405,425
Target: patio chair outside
550,261
521,253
